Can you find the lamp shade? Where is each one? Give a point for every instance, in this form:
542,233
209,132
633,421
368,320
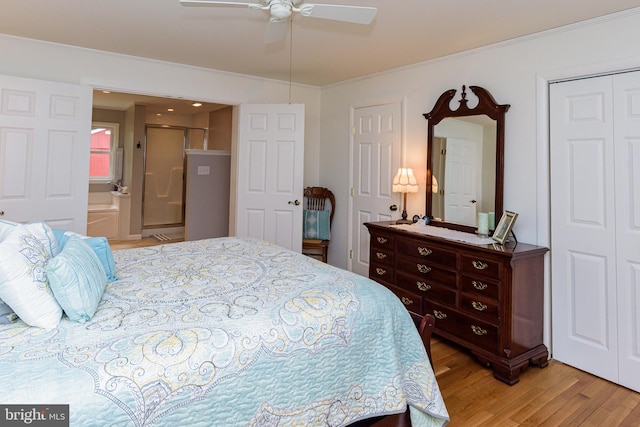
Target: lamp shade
405,182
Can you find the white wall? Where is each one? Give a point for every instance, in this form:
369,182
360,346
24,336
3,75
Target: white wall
516,73
60,63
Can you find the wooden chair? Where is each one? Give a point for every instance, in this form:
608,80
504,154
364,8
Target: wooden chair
318,199
425,329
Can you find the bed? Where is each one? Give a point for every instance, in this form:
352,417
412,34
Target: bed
226,332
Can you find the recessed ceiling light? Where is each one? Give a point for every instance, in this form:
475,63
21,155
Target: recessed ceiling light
106,91
158,114
197,104
169,109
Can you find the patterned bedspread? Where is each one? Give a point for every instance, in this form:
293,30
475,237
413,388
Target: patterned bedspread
227,332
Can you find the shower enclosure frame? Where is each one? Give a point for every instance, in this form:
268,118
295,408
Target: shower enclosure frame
185,145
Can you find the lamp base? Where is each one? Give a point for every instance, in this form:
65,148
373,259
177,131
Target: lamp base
404,219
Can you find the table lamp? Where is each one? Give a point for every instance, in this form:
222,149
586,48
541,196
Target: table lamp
404,182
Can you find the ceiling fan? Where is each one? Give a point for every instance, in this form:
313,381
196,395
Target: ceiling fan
281,10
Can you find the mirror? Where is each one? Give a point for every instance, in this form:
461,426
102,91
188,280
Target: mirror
465,160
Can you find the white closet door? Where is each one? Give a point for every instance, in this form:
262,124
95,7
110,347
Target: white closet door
627,177
583,226
595,225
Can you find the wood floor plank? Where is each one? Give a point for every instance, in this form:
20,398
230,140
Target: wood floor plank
558,395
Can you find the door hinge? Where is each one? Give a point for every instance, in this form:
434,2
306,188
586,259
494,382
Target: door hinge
353,192
353,130
443,152
350,253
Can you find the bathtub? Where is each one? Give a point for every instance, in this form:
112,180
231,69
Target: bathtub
102,216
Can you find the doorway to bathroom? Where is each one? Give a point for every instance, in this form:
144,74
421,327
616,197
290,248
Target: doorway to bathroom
163,201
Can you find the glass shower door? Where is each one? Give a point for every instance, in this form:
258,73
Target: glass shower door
162,203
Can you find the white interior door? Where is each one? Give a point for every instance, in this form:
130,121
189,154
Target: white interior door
376,158
595,225
269,173
45,131
462,181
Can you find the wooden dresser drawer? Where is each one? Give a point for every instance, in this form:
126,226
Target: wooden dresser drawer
381,256
381,273
428,289
428,252
479,286
382,241
476,332
487,309
426,271
478,265
411,301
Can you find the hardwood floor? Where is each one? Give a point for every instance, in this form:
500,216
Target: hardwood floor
147,241
558,395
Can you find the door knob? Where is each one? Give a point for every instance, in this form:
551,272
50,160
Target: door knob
1,213
472,201
393,208
295,202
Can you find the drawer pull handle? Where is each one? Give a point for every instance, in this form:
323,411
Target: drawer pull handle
380,255
479,265
439,315
423,268
382,240
381,271
478,330
479,285
406,301
423,286
424,251
479,306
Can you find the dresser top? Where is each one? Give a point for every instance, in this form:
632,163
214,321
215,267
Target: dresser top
512,248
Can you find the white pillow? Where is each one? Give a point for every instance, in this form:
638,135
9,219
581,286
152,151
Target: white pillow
5,228
42,231
23,279
45,234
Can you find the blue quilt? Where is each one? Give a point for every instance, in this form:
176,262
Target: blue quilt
227,332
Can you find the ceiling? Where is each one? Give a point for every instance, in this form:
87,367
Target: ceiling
155,105
324,52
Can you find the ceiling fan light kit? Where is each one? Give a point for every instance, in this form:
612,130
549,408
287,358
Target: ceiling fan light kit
281,10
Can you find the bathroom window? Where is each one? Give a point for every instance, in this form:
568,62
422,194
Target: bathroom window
103,159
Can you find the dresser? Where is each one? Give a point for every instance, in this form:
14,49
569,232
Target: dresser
486,298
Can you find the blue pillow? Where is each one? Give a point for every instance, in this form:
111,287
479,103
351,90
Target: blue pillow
316,224
77,279
100,246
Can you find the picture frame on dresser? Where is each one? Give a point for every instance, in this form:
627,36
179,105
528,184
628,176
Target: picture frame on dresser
504,226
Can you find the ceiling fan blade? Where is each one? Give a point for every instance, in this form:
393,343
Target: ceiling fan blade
276,31
202,3
354,14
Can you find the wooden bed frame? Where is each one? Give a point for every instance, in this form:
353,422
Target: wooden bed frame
404,420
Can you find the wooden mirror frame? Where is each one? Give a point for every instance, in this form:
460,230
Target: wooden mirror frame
486,106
